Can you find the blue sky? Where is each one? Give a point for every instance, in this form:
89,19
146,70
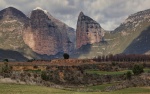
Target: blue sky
109,13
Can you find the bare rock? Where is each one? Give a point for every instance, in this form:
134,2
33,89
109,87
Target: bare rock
46,35
88,31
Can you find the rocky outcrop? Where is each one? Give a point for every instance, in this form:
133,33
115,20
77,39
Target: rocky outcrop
134,21
45,34
88,31
11,13
12,25
134,31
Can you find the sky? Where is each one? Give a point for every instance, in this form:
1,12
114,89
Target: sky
108,13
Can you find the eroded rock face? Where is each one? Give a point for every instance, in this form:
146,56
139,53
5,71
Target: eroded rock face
12,25
88,31
68,34
46,35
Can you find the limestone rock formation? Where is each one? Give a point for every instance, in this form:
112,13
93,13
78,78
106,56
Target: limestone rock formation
37,37
12,25
88,31
46,35
12,13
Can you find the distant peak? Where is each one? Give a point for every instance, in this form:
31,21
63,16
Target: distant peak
81,13
11,8
39,8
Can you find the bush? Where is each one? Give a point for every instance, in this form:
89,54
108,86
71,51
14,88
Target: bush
66,56
137,69
30,60
35,66
6,68
5,60
128,75
114,63
44,76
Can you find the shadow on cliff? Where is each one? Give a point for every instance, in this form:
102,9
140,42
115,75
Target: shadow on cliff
85,49
141,44
89,50
11,55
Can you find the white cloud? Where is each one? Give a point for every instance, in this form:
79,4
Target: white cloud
109,13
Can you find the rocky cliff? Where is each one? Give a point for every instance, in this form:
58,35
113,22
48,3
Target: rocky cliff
134,21
88,31
47,35
42,35
12,25
68,34
35,37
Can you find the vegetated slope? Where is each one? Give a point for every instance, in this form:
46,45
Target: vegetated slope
141,44
136,25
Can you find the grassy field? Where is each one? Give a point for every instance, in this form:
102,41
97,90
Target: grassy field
111,72
30,89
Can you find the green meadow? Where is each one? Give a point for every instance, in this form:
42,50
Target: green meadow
32,89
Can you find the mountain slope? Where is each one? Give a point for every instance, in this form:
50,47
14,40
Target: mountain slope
123,36
141,44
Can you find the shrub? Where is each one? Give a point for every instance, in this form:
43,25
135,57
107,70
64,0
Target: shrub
44,76
48,67
30,60
35,66
6,68
5,60
29,75
35,75
66,56
128,75
113,63
137,69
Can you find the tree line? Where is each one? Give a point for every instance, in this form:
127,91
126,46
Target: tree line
123,58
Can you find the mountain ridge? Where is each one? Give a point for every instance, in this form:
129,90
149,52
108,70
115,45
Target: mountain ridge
42,36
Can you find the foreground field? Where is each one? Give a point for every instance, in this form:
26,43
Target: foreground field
111,72
28,89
